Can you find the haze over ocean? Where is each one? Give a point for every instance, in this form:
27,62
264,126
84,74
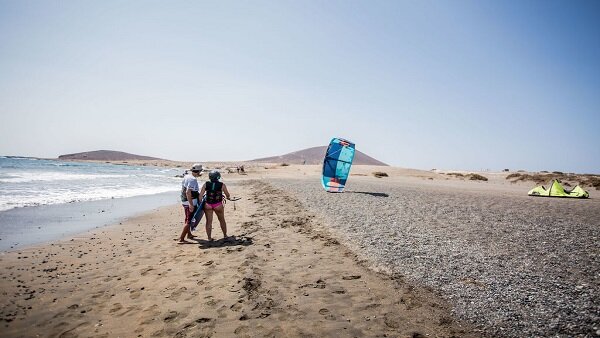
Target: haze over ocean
430,84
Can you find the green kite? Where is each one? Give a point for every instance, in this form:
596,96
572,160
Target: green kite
557,190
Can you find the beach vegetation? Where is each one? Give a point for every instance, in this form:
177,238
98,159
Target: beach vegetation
380,174
471,176
594,181
477,177
584,180
284,164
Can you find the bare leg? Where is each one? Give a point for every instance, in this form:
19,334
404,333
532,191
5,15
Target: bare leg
189,233
220,211
186,229
209,217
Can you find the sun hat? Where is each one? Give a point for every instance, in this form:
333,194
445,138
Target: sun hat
197,167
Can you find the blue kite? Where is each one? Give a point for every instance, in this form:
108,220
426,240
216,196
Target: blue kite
336,165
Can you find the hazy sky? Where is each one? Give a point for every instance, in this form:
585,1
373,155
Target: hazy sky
420,84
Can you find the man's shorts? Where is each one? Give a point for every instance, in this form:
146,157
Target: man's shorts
188,214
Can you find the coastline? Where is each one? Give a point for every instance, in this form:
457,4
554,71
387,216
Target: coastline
25,226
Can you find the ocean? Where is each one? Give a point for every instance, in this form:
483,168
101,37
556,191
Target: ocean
43,200
27,182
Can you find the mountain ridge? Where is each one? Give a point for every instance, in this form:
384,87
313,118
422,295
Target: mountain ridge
315,155
105,155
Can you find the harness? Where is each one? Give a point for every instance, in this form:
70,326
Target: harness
214,193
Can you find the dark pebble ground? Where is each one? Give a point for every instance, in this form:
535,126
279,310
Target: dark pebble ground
513,265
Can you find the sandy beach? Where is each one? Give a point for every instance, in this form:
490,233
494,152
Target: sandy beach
414,254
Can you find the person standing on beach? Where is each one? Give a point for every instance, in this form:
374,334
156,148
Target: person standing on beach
189,199
214,202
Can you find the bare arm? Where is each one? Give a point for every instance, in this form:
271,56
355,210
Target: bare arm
203,190
226,191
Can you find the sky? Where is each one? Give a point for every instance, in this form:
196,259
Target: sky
462,85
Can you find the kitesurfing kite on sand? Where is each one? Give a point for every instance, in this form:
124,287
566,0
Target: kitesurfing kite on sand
336,165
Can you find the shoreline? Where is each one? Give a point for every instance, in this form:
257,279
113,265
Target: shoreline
26,226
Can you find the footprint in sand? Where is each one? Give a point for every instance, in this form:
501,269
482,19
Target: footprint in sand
339,290
69,333
171,316
159,333
242,330
222,311
201,327
116,307
135,294
97,294
327,314
351,277
150,314
237,306
393,321
130,309
177,293
145,271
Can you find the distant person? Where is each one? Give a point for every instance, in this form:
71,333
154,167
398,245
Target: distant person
214,202
189,199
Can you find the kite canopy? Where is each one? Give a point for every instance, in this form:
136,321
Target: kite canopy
336,165
557,190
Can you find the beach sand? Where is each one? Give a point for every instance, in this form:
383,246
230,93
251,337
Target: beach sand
295,269
279,275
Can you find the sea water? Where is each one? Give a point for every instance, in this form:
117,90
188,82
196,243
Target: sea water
26,182
42,200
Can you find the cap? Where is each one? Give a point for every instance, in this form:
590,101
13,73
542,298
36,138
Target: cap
197,167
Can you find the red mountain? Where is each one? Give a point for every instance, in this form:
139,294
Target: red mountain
105,155
315,155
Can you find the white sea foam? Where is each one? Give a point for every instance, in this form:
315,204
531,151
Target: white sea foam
54,176
25,183
61,196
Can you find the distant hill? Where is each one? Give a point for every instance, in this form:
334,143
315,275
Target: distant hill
315,156
105,155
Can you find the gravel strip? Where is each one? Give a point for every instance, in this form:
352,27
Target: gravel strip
514,266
